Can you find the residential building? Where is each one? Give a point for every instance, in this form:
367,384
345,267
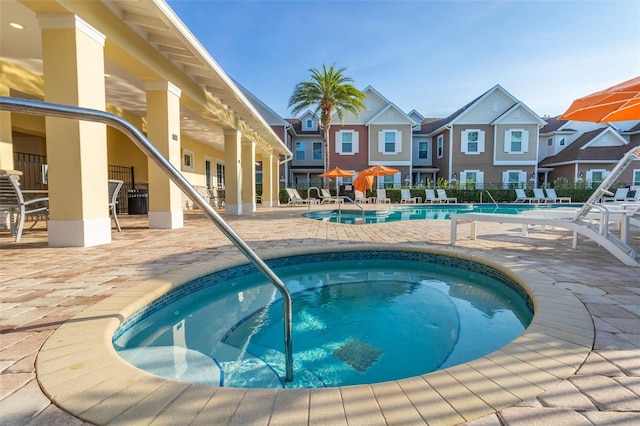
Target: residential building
587,152
490,141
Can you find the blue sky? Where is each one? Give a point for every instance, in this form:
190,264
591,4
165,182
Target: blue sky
431,56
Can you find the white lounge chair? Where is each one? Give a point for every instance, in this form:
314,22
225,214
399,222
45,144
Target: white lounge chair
430,197
381,196
12,202
552,197
326,197
295,199
114,189
522,197
405,197
444,198
620,195
538,194
360,197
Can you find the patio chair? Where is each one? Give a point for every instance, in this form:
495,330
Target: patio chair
521,197
444,198
12,202
552,197
360,197
430,197
326,197
295,199
114,189
620,195
539,196
405,197
381,196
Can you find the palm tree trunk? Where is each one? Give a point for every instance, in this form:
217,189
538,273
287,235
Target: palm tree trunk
327,161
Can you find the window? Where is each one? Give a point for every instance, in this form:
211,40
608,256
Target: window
471,179
636,178
187,160
596,176
561,143
440,146
301,150
347,142
317,150
389,141
423,150
550,142
389,181
472,141
207,173
516,141
309,124
514,179
220,175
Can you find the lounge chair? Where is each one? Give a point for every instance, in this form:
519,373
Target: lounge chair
405,197
360,197
381,196
620,196
12,202
430,197
114,189
444,198
326,197
295,199
552,197
521,197
538,194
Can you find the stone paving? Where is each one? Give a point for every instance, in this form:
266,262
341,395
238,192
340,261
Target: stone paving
43,287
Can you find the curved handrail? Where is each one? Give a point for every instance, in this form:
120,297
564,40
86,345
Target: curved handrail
31,107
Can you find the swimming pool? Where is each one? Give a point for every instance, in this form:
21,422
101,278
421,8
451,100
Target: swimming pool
433,212
359,317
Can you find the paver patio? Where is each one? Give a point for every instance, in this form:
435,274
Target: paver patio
43,287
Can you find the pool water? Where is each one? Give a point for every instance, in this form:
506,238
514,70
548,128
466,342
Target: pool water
354,321
442,212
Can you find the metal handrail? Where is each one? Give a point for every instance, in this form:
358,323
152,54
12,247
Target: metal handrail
491,196
39,108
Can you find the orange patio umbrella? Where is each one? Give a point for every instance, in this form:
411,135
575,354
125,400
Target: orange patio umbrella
363,182
378,170
617,103
335,173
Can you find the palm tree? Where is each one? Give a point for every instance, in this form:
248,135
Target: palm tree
330,91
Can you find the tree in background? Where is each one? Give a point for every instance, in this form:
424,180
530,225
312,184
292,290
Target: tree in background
330,92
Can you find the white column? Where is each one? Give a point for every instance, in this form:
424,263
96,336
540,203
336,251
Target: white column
267,181
248,176
232,173
163,130
73,67
275,187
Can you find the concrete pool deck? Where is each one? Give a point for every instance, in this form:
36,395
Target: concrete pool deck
44,287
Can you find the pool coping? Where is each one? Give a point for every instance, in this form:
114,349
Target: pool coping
79,370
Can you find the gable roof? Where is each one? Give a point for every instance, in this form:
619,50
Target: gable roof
513,108
296,126
579,150
435,126
387,108
553,124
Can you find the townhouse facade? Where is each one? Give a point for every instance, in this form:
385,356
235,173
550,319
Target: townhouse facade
493,139
586,153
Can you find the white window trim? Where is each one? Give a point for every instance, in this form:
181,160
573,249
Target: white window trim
522,177
188,166
524,144
397,142
355,142
426,143
634,173
218,185
304,151
479,177
321,151
464,145
440,146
